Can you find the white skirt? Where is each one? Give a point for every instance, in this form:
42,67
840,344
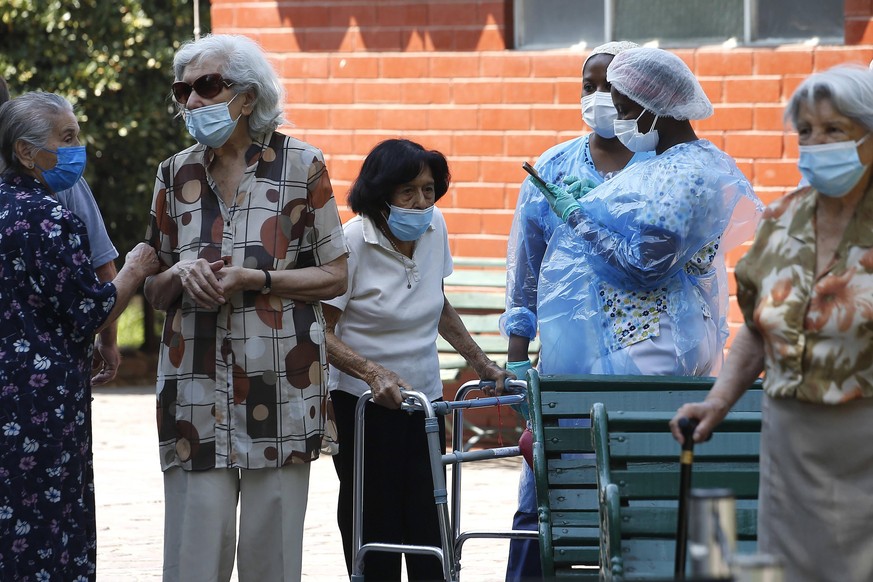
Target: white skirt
816,494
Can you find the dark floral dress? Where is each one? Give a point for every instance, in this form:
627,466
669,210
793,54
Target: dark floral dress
51,304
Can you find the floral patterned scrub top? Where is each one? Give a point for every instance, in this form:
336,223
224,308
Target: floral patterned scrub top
244,385
818,333
51,303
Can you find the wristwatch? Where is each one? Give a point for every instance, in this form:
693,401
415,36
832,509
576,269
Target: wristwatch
268,282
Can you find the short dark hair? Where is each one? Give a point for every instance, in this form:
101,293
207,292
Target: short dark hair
390,164
4,91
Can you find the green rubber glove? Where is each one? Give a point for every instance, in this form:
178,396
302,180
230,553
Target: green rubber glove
579,188
561,201
520,370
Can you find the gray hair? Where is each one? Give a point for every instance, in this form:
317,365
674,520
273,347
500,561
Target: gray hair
242,61
849,88
30,117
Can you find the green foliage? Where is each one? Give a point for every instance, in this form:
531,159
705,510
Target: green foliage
131,324
113,60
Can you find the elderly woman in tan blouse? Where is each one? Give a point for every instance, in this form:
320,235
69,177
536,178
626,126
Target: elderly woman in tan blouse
806,291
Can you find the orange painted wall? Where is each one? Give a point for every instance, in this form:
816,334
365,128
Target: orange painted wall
439,72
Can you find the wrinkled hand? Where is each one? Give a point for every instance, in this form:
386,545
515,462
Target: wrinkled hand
199,280
561,201
579,188
386,386
494,373
143,258
106,360
709,413
231,279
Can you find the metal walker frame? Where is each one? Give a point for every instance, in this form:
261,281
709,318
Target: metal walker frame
451,537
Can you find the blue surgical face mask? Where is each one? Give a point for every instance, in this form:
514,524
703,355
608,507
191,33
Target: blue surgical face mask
211,125
67,171
832,168
408,224
598,113
627,131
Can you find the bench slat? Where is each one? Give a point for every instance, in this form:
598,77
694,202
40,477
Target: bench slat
661,522
573,499
625,446
566,404
658,421
488,262
653,558
635,484
477,300
477,278
563,472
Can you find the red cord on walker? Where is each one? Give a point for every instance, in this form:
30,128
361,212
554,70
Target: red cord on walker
499,426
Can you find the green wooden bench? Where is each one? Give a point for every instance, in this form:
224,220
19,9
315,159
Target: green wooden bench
476,289
637,466
567,496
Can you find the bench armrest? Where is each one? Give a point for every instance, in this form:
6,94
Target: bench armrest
612,563
541,474
608,497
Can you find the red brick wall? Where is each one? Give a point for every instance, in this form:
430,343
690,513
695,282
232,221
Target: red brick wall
438,72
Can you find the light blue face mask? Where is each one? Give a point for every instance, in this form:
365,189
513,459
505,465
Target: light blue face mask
628,133
211,125
408,224
832,168
68,169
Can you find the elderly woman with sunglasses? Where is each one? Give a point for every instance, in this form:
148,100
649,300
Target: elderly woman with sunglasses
51,305
249,238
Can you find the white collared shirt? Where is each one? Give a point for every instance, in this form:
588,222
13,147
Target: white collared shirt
391,309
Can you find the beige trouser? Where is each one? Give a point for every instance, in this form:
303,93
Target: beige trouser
200,509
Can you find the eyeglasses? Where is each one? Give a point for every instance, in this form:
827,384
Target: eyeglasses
207,86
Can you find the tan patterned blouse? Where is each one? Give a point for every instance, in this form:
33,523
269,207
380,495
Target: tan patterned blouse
818,334
244,385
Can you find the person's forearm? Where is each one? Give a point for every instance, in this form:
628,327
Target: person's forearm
518,349
126,284
744,365
453,330
309,283
163,289
342,357
106,273
347,360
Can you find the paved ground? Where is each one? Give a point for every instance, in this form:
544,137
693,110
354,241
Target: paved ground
130,506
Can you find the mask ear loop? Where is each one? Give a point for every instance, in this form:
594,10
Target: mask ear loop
654,121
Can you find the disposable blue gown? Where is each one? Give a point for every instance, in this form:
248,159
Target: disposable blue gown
639,233
534,224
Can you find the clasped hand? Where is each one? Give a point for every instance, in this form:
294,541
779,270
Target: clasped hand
210,284
565,200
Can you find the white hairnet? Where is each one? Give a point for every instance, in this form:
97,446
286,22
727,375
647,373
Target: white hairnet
610,48
659,81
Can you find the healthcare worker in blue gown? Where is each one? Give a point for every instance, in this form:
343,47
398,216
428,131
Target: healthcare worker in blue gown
634,280
590,159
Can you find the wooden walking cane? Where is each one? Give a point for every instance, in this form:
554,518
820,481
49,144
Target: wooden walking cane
686,458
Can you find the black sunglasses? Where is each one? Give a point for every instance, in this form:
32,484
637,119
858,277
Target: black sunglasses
207,86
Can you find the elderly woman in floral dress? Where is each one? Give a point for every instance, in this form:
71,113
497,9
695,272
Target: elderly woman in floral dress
51,305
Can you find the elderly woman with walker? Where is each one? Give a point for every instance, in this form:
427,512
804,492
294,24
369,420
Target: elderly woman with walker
382,338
